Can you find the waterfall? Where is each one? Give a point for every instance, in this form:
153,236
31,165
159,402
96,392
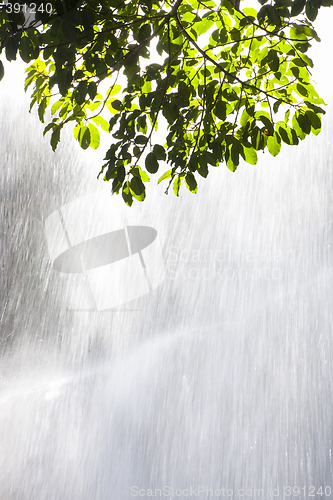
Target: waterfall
216,382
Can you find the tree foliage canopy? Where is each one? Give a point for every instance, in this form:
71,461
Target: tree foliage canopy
220,81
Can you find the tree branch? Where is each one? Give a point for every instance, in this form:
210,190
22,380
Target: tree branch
223,70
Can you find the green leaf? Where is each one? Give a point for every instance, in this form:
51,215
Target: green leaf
84,137
102,122
159,152
140,139
236,150
120,172
274,144
151,163
229,161
315,108
273,60
26,49
191,183
138,172
257,138
116,186
48,127
244,118
115,89
273,15
287,134
64,78
69,30
94,136
176,185
303,121
139,197
11,46
142,123
307,60
314,119
144,32
265,119
41,109
220,110
298,129
276,106
230,95
299,62
116,104
81,92
250,155
193,163
137,186
2,70
297,7
311,10
127,195
202,166
92,90
55,107
297,33
166,175
55,138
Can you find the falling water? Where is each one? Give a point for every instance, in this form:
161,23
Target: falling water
218,380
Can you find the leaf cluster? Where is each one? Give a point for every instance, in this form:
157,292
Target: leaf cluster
219,84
